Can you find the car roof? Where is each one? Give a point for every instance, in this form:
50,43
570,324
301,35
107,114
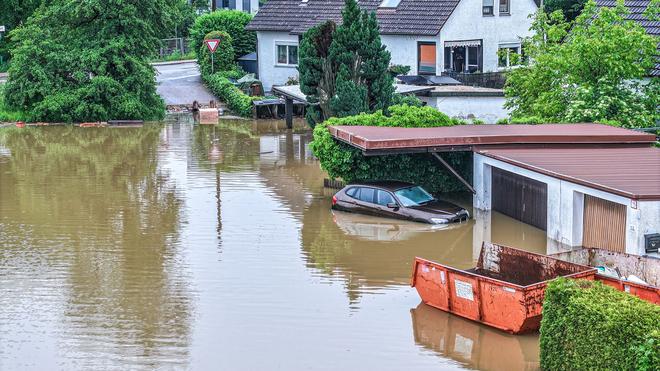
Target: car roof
390,185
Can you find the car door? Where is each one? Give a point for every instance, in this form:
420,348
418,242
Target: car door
366,201
383,198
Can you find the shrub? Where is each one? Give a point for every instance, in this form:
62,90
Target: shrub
223,58
406,99
236,100
589,326
232,22
346,162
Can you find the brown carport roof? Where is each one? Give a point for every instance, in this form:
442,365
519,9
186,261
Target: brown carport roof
629,172
379,140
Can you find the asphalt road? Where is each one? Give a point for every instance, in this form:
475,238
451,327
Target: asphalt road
181,83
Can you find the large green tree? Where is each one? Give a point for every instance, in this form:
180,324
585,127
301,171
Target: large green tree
570,8
591,70
12,14
88,60
344,69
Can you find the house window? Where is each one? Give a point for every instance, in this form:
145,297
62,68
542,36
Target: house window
508,56
426,58
488,7
246,6
504,7
287,55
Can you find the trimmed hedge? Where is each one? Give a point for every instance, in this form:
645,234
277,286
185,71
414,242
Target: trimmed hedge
346,162
232,22
589,326
223,58
237,101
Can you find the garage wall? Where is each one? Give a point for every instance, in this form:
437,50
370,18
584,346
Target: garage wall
487,109
566,204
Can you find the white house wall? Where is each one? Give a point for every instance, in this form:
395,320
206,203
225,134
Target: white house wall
566,205
404,50
467,23
487,109
270,73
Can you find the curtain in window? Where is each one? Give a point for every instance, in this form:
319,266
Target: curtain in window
427,58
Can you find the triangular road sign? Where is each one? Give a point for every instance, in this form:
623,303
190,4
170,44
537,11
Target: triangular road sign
212,44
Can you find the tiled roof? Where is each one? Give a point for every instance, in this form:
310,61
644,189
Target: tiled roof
637,8
410,17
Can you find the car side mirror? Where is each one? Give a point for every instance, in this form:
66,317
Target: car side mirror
393,205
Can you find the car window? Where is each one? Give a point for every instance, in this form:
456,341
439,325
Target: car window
352,191
413,196
384,198
367,195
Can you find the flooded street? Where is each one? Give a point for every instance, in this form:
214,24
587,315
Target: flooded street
177,246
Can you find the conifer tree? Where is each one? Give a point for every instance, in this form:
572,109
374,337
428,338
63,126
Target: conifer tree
349,62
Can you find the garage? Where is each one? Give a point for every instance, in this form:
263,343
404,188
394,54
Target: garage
604,224
520,198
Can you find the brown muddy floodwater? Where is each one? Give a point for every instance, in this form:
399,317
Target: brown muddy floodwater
178,246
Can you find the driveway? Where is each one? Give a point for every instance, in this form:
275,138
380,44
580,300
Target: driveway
181,83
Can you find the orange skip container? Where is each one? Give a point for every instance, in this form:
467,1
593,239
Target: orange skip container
505,290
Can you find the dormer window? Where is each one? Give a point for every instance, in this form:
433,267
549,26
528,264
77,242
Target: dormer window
389,4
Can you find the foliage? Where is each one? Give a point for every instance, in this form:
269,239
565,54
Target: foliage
6,114
232,22
398,69
88,61
223,58
569,8
406,99
345,68
343,161
589,326
236,100
594,73
531,120
13,13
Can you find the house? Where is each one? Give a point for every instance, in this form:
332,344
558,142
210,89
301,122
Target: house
248,6
429,36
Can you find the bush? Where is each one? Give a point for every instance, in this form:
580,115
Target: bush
236,100
589,326
406,99
346,162
232,22
398,69
223,58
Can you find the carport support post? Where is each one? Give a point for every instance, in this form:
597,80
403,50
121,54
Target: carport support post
288,112
451,169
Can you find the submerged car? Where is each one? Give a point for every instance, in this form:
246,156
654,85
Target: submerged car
399,200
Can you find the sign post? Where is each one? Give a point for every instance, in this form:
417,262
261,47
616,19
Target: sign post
212,45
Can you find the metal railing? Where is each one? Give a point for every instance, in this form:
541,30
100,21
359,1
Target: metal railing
493,80
173,45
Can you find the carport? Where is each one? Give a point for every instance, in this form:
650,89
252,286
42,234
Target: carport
584,184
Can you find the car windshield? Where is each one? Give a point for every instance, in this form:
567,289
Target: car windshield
413,196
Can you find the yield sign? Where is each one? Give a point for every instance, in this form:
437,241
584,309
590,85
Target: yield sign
212,44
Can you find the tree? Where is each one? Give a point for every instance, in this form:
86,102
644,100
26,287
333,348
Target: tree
570,8
590,70
88,61
345,68
12,14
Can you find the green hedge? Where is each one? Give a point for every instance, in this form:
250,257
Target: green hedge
232,22
589,326
237,101
346,162
223,58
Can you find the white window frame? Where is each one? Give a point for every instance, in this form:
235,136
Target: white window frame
508,47
287,44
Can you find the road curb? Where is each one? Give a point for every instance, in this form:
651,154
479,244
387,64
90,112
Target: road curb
173,62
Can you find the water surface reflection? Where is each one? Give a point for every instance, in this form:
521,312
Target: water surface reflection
214,247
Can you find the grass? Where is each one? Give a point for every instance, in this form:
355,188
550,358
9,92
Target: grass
7,115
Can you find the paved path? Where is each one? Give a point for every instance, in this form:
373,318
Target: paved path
181,83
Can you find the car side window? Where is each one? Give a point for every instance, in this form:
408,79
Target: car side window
384,198
367,195
352,192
